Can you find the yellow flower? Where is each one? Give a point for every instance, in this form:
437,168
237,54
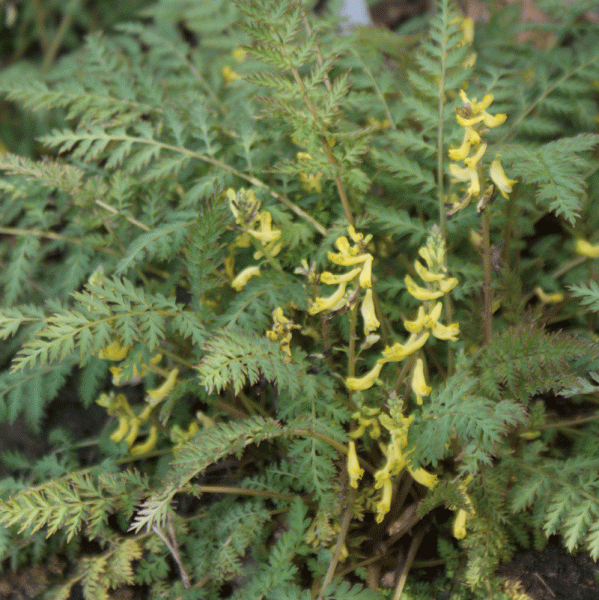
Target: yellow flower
583,247
423,477
419,382
266,233
421,293
365,279
367,381
146,446
311,181
368,313
353,466
331,279
459,524
114,352
161,392
426,275
239,54
242,278
133,429
244,205
384,504
332,302
448,284
229,75
119,433
446,332
474,112
466,174
545,298
398,351
504,185
467,27
470,137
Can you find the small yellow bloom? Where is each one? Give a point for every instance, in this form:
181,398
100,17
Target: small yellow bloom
419,386
367,381
421,293
446,332
423,477
229,75
467,27
398,351
242,278
384,504
133,430
583,247
119,433
426,275
157,394
239,54
148,445
448,284
471,136
332,302
545,298
332,279
504,185
365,279
368,313
114,352
311,181
466,174
265,233
459,524
353,466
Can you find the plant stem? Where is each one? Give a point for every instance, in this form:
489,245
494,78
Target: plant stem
487,274
347,515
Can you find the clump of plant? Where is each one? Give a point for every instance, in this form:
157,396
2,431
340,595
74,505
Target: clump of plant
298,273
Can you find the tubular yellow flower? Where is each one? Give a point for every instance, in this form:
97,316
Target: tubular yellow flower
448,284
467,27
353,466
133,430
426,275
332,279
367,381
229,75
446,332
545,298
331,302
423,477
421,293
583,247
242,278
266,233
504,185
418,323
347,260
473,160
419,382
114,352
146,446
471,136
384,504
119,433
365,279
398,351
459,524
161,392
368,313
466,174
311,181
239,54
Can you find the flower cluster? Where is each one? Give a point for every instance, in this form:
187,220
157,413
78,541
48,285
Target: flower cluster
256,228
281,331
436,284
130,422
475,120
350,255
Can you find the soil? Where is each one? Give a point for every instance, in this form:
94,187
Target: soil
553,574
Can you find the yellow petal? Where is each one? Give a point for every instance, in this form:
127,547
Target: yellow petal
425,274
419,382
398,351
353,466
148,445
162,391
242,278
545,298
504,185
473,160
421,293
423,477
365,278
494,120
446,332
365,382
448,284
328,303
459,524
471,136
418,323
384,504
332,279
114,352
583,247
368,313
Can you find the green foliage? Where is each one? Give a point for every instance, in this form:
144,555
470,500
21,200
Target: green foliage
204,255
